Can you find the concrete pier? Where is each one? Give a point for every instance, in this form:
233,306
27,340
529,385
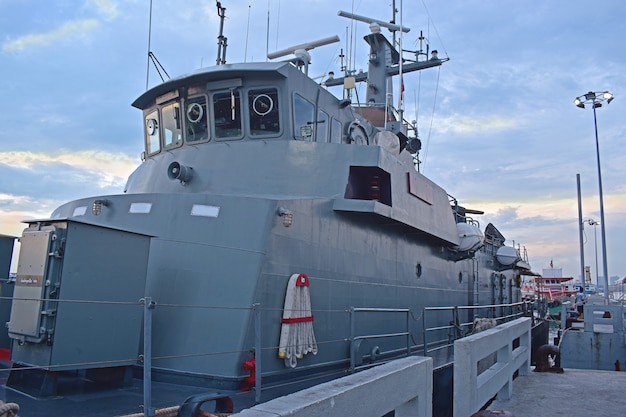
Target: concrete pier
574,393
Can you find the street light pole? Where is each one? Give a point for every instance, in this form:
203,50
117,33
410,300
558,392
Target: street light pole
595,244
596,99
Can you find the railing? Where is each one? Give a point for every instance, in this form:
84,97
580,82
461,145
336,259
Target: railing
355,341
458,329
356,318
472,390
404,386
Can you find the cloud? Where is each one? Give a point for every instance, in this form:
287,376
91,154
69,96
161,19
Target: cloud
69,30
15,208
105,7
469,124
105,169
36,183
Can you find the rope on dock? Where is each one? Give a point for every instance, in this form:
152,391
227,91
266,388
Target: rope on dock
9,409
173,412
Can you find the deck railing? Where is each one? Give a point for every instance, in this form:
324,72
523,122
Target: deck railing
457,328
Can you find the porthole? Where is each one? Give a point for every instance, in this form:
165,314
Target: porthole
195,112
262,104
151,125
418,270
460,276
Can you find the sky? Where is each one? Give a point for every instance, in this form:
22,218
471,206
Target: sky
499,129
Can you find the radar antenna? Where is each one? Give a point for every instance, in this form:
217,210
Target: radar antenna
301,51
391,26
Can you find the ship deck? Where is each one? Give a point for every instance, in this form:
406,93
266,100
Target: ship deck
90,400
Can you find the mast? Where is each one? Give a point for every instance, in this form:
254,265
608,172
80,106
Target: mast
401,84
385,61
221,39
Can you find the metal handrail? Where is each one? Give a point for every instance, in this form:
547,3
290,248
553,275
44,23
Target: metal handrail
354,340
457,325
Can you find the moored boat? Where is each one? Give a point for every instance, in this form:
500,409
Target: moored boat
273,231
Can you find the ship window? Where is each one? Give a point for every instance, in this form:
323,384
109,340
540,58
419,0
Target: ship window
227,114
263,109
335,131
152,133
321,127
303,117
172,132
196,127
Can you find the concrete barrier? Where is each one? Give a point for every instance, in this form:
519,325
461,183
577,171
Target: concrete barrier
404,385
472,390
601,344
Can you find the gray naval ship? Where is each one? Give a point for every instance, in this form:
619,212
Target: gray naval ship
274,236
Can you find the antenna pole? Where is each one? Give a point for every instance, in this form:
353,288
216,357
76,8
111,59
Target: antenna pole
245,54
393,19
267,34
401,87
221,39
149,36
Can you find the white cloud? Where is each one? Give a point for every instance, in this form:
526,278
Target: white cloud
69,30
15,208
470,124
104,168
106,7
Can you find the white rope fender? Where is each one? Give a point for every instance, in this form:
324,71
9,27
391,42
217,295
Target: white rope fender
296,334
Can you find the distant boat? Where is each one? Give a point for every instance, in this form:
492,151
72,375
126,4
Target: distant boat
529,289
555,289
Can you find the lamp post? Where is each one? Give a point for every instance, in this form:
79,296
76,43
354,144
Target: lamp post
596,99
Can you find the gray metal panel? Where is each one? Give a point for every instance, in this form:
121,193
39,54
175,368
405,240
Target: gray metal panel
29,284
104,276
95,319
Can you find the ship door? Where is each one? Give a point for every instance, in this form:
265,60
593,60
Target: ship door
30,321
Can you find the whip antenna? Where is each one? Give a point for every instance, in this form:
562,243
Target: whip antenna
149,53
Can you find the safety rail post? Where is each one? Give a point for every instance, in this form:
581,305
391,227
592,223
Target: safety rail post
352,331
148,306
457,324
408,332
424,331
257,352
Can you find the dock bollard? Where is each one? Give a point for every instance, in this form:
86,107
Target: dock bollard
543,360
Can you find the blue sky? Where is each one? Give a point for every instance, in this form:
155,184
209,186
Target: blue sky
498,124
